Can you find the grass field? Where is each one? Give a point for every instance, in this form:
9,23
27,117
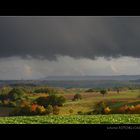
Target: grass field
73,119
85,105
89,100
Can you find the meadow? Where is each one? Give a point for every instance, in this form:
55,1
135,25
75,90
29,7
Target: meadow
69,111
91,98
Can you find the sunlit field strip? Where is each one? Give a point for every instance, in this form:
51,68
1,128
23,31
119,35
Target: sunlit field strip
73,119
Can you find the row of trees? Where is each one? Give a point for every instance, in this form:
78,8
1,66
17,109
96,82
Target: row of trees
53,100
12,97
46,90
103,91
40,106
117,89
19,98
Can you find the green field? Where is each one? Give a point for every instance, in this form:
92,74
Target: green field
89,100
73,119
86,104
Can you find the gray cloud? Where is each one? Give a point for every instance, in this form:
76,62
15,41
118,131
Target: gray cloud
18,68
79,37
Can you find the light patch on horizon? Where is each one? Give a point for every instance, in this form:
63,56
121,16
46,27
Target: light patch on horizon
31,68
28,70
114,69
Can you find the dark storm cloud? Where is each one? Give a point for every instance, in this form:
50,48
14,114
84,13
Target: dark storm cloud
45,37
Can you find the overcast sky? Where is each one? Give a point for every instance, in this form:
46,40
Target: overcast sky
36,47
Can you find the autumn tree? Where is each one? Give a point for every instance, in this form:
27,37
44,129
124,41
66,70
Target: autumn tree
103,92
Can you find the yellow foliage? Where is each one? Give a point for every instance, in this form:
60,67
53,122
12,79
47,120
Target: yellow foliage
6,102
124,108
137,106
131,108
107,110
41,109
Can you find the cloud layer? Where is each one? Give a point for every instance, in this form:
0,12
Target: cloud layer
19,68
78,37
36,47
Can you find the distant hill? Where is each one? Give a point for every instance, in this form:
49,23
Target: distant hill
137,81
79,81
118,77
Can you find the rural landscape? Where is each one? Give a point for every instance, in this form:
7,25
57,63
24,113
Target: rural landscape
69,70
24,102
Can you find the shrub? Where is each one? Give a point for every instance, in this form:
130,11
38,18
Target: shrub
23,102
40,110
28,110
129,109
12,104
126,109
24,111
79,112
60,100
56,110
5,89
77,97
70,111
91,90
21,111
6,102
103,108
49,109
103,92
49,91
42,101
99,107
107,110
33,107
50,100
118,91
16,94
3,97
137,109
137,106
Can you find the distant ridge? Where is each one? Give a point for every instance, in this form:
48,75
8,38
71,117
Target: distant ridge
137,80
111,77
79,81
